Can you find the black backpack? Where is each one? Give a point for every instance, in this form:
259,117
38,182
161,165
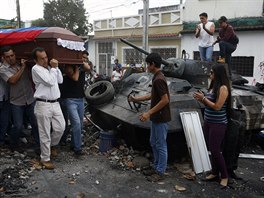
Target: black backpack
235,39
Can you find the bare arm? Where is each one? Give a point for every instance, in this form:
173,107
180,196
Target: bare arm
75,74
219,101
197,31
13,79
139,98
162,103
223,94
211,31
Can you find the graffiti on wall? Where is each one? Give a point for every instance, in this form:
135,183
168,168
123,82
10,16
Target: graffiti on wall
260,74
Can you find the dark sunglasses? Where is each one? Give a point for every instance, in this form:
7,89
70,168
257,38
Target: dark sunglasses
211,72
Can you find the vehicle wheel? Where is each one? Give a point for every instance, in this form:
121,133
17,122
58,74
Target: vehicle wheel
100,92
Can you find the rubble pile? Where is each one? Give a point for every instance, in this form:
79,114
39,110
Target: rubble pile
121,156
14,177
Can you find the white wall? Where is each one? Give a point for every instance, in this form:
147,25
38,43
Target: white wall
91,50
251,43
217,8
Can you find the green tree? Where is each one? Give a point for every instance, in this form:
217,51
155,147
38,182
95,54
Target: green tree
39,22
69,14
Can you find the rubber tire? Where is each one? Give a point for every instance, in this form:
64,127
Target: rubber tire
100,92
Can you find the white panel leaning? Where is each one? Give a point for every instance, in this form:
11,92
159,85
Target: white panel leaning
195,141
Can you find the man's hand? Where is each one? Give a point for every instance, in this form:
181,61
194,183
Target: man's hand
86,66
54,63
132,98
23,63
144,117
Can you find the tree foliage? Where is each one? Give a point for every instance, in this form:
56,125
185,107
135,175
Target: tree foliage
69,14
39,22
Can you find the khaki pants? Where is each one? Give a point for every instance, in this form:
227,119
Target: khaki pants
49,114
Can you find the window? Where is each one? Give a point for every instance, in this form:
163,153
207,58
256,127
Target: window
105,51
132,56
243,65
105,47
166,52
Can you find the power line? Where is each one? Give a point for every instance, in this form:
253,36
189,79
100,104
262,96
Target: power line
117,6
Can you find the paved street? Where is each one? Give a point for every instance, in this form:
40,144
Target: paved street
95,175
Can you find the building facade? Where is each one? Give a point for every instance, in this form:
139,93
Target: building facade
248,22
165,23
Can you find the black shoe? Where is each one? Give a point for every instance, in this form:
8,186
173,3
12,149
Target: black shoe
79,153
222,187
16,148
149,171
233,175
156,177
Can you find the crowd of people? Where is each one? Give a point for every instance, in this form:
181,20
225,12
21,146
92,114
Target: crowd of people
227,40
45,95
50,96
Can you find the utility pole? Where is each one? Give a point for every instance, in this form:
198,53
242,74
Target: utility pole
145,25
18,14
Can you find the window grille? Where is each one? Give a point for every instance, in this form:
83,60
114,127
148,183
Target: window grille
132,56
166,53
105,47
243,65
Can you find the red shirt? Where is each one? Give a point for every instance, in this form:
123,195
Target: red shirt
227,34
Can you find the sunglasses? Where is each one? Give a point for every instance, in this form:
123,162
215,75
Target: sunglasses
211,72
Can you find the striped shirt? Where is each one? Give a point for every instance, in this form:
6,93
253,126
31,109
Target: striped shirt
215,116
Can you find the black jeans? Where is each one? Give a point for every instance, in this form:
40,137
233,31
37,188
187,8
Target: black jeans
226,49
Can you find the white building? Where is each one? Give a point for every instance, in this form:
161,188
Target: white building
248,22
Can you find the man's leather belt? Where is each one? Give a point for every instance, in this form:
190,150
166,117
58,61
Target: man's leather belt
44,100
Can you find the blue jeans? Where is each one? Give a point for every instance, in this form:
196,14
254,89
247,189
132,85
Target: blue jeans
206,53
158,136
226,49
18,117
75,108
4,119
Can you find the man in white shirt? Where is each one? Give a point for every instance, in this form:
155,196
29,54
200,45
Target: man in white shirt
205,31
47,109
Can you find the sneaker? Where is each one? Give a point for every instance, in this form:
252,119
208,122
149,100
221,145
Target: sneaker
156,177
47,165
221,60
53,152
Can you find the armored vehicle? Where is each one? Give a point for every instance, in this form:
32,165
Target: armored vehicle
184,77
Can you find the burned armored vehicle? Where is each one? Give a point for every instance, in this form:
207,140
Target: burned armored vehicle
184,77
